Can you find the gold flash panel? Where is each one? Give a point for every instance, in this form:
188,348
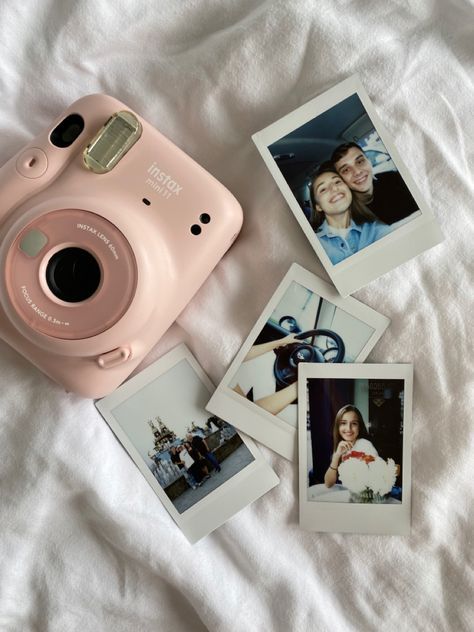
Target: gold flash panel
112,142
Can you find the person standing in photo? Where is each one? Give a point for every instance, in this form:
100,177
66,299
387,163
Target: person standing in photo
200,471
193,465
176,459
202,448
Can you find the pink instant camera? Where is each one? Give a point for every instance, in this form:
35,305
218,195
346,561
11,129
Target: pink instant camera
107,230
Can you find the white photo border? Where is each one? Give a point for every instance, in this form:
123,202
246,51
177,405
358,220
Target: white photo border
387,519
418,235
218,506
248,416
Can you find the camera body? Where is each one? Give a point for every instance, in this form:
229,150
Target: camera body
107,230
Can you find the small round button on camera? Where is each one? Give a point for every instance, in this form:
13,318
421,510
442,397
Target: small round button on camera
32,163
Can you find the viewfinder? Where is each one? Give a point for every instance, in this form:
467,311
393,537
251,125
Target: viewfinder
67,131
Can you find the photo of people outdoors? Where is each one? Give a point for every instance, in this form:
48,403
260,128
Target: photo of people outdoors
303,327
189,452
344,180
355,440
189,463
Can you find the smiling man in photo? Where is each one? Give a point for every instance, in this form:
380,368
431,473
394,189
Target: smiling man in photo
385,194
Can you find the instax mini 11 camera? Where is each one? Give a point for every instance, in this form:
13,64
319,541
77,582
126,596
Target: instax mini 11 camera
107,230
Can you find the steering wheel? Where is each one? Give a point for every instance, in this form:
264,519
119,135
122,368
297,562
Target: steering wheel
285,368
290,324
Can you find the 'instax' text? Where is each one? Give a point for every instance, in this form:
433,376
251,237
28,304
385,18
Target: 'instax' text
162,183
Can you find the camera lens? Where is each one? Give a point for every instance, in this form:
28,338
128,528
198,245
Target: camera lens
67,131
73,275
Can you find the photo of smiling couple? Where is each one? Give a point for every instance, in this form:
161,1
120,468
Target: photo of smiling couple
344,180
351,207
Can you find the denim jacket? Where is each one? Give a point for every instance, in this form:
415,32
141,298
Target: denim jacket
359,236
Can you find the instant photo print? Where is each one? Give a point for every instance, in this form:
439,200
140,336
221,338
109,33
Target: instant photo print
306,320
354,439
199,466
347,186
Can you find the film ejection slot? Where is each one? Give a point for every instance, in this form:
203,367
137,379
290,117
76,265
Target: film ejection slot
112,142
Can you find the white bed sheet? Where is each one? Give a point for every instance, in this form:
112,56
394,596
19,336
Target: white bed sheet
85,545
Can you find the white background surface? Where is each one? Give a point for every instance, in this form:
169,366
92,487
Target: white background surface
84,543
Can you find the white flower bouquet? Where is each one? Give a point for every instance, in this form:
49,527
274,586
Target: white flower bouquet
368,478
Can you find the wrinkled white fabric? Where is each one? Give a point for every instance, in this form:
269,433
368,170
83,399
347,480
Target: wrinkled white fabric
85,544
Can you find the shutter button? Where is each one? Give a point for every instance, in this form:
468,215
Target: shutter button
114,358
32,163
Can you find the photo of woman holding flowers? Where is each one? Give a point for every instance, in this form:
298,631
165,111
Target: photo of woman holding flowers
355,456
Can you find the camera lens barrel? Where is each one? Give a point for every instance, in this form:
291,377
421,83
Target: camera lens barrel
73,275
70,274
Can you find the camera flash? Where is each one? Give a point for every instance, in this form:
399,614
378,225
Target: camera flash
112,142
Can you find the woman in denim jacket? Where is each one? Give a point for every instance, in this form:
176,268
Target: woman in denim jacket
342,224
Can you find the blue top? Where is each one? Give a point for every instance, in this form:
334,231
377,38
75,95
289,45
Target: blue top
359,236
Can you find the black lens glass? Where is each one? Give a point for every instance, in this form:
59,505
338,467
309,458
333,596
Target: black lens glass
67,131
73,275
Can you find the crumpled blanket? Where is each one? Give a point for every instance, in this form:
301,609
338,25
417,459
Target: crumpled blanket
85,544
